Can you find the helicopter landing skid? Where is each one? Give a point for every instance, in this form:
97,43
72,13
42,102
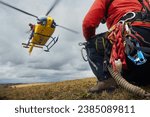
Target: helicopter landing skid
25,45
28,45
51,43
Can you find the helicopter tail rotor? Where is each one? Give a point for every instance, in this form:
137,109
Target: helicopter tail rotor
8,5
52,7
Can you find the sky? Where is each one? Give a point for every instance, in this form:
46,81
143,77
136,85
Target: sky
63,62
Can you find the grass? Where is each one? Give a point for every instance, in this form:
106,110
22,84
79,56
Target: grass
66,90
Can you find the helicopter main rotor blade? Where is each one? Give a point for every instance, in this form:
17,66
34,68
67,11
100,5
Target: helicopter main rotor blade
6,4
53,6
73,31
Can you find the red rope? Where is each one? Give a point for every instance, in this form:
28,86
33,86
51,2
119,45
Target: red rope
117,52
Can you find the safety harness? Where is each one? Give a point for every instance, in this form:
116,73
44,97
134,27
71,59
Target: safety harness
126,41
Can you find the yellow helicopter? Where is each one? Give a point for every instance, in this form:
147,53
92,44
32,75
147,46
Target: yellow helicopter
42,31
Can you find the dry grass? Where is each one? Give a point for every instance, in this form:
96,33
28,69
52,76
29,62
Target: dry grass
67,90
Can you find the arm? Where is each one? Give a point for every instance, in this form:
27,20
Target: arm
93,18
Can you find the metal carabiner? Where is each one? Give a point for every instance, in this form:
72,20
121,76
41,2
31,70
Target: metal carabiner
82,43
84,51
85,57
130,18
121,22
128,30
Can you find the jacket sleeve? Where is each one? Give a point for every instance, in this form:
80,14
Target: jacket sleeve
93,18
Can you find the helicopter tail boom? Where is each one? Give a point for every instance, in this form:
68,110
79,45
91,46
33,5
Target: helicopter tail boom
31,46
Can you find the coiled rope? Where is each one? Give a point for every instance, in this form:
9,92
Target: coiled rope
126,85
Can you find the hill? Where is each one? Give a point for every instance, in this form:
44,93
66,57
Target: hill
66,90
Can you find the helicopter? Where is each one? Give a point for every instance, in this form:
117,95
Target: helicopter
42,31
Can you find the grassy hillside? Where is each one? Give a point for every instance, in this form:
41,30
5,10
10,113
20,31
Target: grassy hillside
67,90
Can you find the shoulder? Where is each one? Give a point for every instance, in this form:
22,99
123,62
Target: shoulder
104,3
101,3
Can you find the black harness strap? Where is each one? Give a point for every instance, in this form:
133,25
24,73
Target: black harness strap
106,11
107,8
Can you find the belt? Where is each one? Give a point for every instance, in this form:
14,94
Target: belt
136,16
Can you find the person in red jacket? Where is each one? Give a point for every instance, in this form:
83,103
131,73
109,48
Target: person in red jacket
112,11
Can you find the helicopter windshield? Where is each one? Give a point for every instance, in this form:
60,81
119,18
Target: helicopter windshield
42,20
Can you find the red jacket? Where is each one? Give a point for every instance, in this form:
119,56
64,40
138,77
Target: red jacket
116,10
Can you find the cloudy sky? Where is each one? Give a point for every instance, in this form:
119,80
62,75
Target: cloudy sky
63,62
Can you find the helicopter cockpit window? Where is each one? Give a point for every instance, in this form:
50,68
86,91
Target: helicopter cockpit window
42,21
